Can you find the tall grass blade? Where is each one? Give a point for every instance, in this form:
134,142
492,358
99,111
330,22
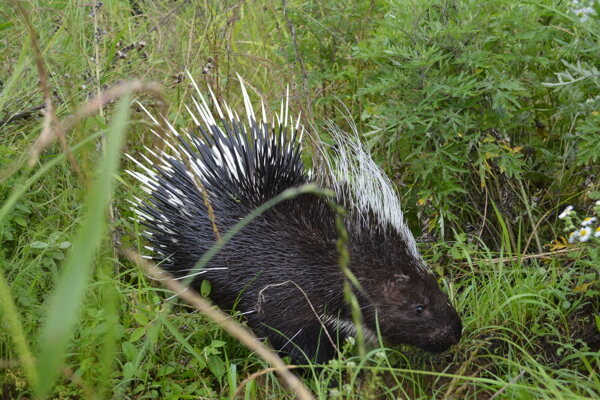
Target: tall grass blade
8,309
64,303
10,315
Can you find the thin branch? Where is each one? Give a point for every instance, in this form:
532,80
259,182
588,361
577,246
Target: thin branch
255,375
21,115
296,48
110,95
522,257
511,382
50,129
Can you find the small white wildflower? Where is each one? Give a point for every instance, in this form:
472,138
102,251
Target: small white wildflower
588,221
573,236
584,13
584,234
567,211
597,232
582,9
598,202
351,364
380,355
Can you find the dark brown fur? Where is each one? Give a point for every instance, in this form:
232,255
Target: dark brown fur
282,270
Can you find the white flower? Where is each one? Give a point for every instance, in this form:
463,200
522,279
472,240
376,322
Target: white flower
597,233
573,236
584,13
567,211
588,221
582,9
598,202
584,234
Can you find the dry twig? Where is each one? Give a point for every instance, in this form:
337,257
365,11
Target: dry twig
511,382
255,375
299,59
50,129
503,260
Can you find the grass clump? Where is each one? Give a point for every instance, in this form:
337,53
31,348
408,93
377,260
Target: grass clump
485,115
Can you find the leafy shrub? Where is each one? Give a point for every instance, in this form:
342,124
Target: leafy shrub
472,107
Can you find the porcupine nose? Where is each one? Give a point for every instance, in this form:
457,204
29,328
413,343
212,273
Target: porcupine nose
455,330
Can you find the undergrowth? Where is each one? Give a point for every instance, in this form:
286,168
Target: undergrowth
486,115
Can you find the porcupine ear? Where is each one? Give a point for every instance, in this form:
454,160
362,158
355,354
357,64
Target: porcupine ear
396,287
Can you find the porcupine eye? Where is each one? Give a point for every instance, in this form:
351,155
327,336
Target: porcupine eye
420,308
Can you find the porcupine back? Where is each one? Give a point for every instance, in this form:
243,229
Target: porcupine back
281,271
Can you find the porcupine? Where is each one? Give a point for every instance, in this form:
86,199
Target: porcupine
282,270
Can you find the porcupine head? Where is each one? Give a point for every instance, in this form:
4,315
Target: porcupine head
282,270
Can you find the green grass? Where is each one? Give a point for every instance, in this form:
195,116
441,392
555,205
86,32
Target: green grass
77,320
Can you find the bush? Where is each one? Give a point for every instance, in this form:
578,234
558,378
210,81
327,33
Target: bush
472,107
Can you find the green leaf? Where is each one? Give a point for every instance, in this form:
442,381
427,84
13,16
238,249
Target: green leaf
205,288
141,318
217,366
21,221
129,371
5,25
137,334
217,343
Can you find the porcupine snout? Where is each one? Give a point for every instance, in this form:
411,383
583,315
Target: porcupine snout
446,336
